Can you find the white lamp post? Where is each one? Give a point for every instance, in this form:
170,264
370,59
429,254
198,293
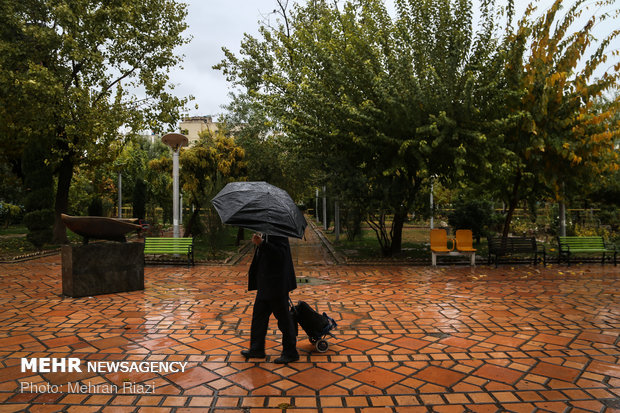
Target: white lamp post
175,141
432,213
120,194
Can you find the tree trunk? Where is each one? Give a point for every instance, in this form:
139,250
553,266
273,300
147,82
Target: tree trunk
65,174
512,205
378,225
240,236
397,230
192,224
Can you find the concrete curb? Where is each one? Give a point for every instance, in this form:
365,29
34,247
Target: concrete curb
338,257
29,257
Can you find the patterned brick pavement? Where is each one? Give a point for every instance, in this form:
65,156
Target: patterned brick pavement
410,339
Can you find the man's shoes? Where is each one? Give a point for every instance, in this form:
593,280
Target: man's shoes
283,359
253,354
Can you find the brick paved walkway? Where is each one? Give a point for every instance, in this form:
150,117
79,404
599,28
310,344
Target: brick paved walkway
410,339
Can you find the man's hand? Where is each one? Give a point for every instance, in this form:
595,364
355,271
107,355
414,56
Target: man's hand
257,239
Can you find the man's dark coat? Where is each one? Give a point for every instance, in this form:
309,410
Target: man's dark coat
272,272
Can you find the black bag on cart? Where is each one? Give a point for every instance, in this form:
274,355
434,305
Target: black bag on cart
316,325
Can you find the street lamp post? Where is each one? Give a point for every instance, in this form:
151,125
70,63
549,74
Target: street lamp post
175,141
120,194
431,202
119,168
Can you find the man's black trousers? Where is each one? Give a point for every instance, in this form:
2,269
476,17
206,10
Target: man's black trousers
263,308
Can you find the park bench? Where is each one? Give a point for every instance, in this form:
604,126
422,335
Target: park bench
510,246
583,245
168,246
462,245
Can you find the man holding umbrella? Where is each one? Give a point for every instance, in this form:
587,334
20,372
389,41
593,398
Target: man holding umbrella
273,276
271,211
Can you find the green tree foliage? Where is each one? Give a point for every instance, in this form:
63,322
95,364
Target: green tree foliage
269,155
472,213
206,167
377,104
159,177
9,213
551,133
68,69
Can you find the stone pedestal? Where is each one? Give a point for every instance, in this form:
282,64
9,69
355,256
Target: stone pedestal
102,268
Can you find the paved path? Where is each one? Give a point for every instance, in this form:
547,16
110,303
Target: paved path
306,252
410,339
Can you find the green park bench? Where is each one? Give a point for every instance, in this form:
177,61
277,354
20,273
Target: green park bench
568,246
511,246
170,246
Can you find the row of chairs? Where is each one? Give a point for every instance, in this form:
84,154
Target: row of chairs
461,244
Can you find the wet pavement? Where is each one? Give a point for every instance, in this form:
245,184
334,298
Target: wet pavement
409,339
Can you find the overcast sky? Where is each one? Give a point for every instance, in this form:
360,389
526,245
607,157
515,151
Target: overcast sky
214,24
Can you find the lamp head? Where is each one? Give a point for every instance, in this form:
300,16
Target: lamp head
175,140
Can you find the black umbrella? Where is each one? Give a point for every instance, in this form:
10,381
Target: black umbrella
260,206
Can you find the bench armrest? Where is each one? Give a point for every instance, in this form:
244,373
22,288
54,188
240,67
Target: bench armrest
453,241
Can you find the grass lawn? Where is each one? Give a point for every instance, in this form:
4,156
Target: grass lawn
13,242
14,230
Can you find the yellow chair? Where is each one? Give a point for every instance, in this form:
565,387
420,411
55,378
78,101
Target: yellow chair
439,244
465,243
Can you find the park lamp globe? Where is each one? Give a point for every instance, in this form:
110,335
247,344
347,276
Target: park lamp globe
175,141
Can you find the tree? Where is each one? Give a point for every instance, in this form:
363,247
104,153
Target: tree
269,154
137,178
375,103
206,167
474,213
551,134
139,199
73,65
159,177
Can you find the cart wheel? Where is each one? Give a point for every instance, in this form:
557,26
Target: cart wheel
322,346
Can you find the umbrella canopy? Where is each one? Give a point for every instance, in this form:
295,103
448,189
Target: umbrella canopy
260,206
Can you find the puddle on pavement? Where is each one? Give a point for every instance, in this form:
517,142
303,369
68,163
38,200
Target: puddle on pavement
310,281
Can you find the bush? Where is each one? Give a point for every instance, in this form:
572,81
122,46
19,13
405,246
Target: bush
352,222
610,216
213,232
39,224
95,208
139,199
9,213
474,214
39,183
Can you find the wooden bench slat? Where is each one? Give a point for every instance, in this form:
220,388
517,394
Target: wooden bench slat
170,246
569,245
500,247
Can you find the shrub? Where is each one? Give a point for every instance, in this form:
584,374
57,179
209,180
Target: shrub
39,182
139,199
95,208
474,214
352,222
39,224
9,213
